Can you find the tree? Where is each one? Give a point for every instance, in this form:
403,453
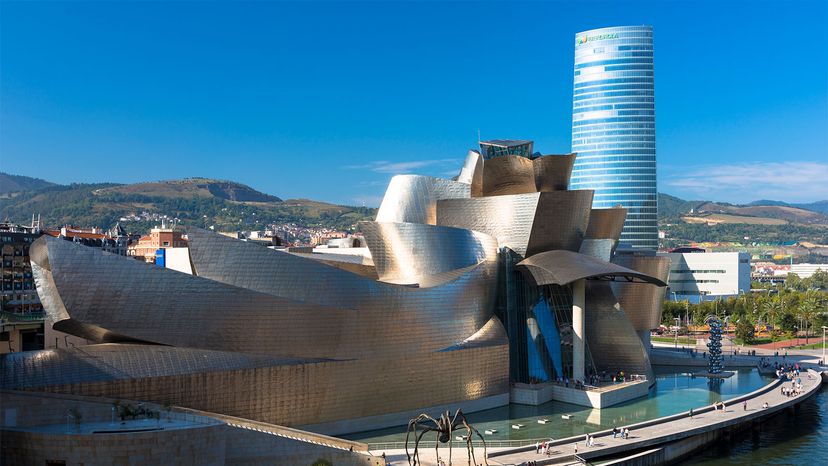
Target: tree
745,331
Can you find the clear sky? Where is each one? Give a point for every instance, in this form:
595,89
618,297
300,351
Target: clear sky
329,100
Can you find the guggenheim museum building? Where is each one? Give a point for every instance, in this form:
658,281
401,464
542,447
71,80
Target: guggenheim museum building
499,276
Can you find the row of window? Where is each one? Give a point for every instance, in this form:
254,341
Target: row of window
624,106
616,61
625,99
624,119
582,148
617,139
642,70
601,82
593,94
613,130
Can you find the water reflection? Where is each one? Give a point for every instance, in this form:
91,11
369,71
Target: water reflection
675,391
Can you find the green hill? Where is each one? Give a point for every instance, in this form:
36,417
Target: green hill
226,205
16,183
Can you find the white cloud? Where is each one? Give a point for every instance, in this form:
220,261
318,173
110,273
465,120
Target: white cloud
396,168
789,181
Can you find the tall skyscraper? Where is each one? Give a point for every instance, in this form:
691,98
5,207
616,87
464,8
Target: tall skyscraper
613,126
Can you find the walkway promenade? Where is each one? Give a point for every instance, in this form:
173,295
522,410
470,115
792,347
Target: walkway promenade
660,433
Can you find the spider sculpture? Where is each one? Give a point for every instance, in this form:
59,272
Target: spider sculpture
444,428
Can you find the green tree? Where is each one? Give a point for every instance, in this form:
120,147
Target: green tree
745,331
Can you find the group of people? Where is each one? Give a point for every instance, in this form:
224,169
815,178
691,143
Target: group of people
788,372
624,433
794,389
544,447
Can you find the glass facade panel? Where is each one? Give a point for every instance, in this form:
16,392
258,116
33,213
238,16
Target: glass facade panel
617,85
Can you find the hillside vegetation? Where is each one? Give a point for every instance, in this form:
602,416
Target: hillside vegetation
16,183
225,205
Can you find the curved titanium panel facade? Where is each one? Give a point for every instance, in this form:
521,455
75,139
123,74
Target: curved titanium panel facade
606,223
613,126
126,297
412,198
507,218
409,252
552,172
472,173
564,267
508,174
526,223
642,302
290,393
611,338
561,220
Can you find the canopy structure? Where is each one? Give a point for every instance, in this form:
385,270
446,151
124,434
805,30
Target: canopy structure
561,267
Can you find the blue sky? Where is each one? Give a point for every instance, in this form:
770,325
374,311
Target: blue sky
329,100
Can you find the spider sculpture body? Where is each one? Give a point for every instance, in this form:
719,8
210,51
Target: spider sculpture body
444,428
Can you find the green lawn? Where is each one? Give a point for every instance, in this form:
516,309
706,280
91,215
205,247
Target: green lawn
811,346
681,340
757,341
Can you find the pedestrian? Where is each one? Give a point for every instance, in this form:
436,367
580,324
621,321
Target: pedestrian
537,447
744,405
691,413
614,431
576,448
765,406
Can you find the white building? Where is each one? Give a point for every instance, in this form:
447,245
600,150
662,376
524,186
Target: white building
707,275
806,270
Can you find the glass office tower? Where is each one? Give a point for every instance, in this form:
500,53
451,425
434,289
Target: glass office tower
613,126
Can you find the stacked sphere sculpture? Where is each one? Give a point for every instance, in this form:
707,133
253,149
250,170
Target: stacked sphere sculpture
715,346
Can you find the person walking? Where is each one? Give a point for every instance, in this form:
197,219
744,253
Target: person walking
537,447
691,413
614,432
744,405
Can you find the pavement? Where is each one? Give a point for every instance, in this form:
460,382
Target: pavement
667,429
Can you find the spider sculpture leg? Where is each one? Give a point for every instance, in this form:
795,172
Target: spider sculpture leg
417,445
412,427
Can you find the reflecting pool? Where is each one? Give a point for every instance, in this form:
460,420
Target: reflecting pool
674,391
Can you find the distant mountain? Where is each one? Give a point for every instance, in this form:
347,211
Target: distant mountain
16,183
818,206
225,205
674,209
192,187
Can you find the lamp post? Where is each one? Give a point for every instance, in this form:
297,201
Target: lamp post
726,321
677,319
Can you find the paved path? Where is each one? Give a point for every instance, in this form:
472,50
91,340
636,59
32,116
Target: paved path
667,429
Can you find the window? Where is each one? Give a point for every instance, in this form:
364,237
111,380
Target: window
165,244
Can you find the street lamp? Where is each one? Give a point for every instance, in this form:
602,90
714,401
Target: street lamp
677,319
726,319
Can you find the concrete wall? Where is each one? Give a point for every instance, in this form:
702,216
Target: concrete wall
537,394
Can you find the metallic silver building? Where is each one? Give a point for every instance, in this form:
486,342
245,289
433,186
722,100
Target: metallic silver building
613,126
500,275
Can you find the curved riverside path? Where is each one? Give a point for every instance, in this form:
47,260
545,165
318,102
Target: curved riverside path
650,435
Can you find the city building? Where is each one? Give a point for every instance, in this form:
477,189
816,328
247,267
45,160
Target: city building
806,270
159,238
114,240
498,147
699,275
613,126
478,289
21,314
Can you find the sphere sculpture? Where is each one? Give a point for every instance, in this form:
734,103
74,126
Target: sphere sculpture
715,346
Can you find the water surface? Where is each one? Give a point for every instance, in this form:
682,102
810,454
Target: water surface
675,391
